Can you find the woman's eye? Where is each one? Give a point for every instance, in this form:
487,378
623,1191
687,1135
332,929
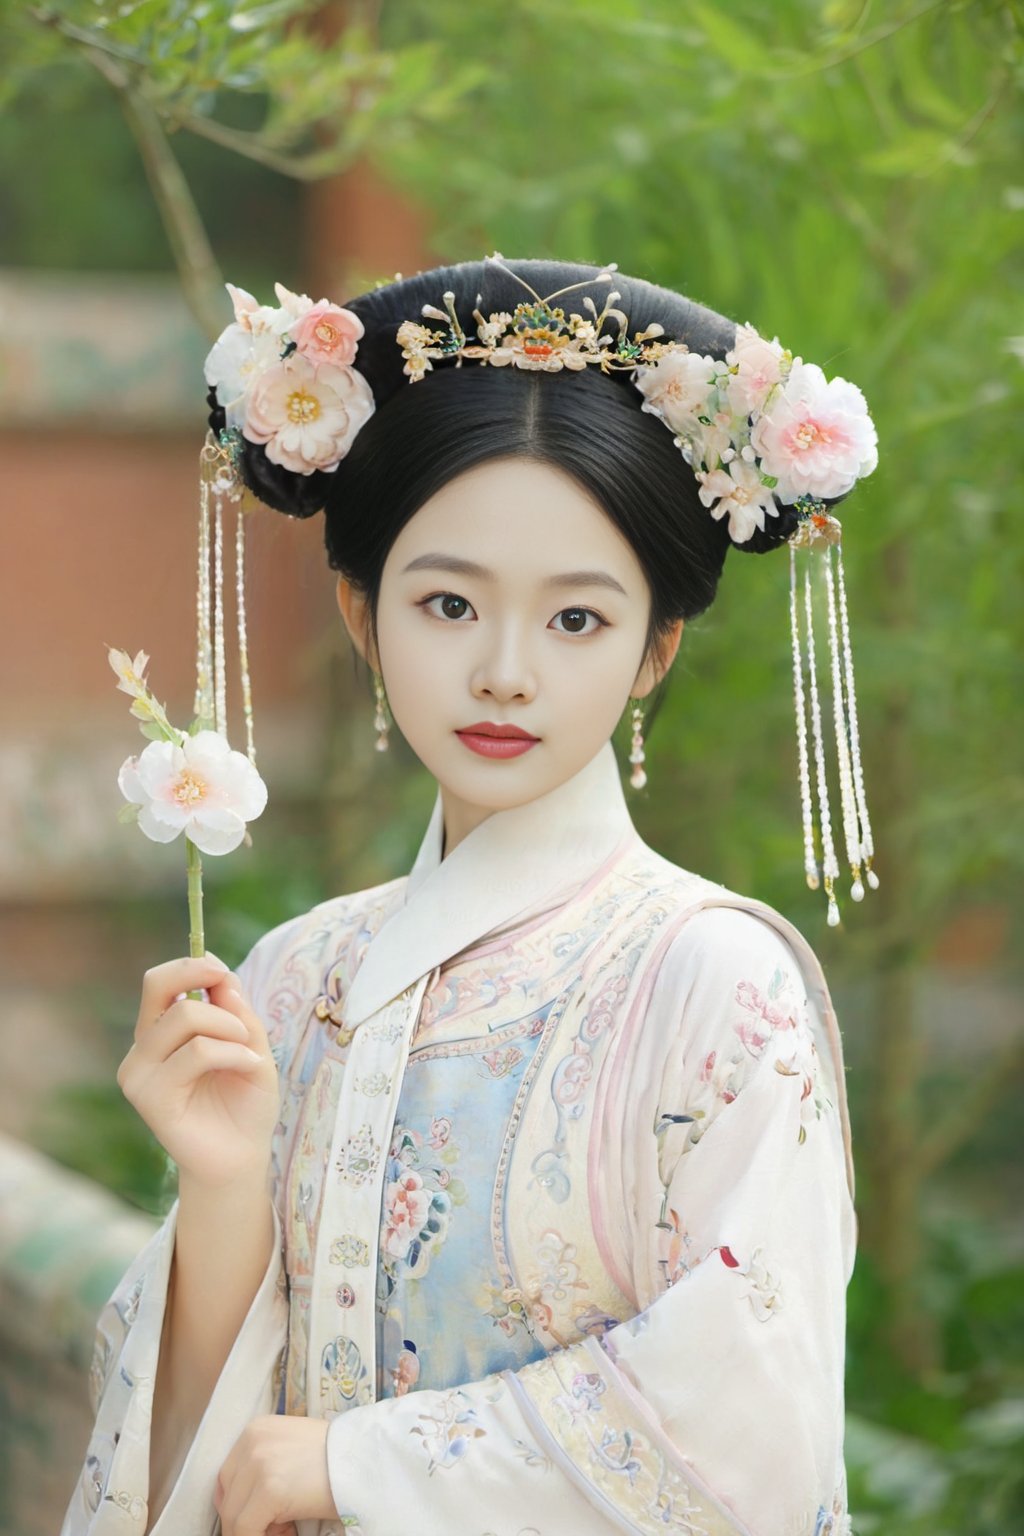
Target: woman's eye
578,617
449,599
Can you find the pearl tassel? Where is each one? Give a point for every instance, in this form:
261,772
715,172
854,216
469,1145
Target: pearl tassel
817,534
867,847
807,812
219,673
217,474
380,719
851,829
830,867
638,778
203,707
243,639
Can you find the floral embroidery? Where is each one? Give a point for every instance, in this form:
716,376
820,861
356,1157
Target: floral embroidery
672,1263
556,1276
765,1293
406,1373
358,1162
349,1250
466,992
373,1084
507,1308
132,1503
615,1450
531,1455
626,1467
342,1373
500,1062
419,1194
771,1020
594,1322
446,1434
387,1029
440,1131
582,1396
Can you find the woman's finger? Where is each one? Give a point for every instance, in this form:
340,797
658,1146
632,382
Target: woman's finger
202,1054
184,1020
161,984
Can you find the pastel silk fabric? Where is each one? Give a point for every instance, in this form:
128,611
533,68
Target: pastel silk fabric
564,1200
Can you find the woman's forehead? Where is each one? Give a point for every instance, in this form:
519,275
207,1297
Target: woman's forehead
516,518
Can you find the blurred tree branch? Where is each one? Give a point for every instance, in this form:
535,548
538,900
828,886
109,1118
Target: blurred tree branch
178,64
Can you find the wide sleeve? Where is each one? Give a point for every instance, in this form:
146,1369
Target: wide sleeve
718,1408
112,1489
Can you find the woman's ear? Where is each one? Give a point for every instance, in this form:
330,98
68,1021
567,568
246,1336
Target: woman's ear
658,663
355,610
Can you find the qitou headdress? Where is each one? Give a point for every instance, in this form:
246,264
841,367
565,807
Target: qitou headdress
760,430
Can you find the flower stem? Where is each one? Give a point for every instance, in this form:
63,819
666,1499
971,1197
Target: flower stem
196,937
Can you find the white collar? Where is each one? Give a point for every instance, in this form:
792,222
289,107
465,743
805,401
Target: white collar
510,865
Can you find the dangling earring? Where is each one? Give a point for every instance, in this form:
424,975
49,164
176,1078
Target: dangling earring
638,777
380,719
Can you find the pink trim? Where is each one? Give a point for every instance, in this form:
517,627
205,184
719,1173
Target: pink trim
609,1078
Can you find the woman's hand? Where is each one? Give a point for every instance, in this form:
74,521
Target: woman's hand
276,1474
201,1074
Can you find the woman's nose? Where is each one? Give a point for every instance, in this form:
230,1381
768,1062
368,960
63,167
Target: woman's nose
506,671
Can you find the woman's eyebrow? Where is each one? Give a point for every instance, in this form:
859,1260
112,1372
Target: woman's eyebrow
457,566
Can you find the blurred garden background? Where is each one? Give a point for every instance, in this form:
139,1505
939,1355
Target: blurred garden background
847,176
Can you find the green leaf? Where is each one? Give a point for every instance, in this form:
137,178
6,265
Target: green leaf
734,43
917,151
129,813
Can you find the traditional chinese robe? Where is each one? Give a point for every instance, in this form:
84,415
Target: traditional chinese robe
563,1199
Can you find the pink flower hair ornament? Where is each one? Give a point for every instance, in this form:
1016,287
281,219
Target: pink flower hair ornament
760,429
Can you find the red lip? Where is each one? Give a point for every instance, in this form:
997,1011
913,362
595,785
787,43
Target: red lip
488,728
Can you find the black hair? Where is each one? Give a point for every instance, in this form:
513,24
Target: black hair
587,423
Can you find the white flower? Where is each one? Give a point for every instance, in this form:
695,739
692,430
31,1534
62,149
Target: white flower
677,387
201,788
759,363
713,444
743,497
816,436
307,416
251,345
237,358
293,305
131,672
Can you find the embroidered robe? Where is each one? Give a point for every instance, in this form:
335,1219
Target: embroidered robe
563,1206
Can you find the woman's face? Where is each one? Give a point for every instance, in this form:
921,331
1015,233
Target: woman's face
509,598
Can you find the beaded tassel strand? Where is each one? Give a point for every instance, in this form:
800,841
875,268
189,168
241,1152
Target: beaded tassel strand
217,475
243,639
638,778
867,847
818,534
203,707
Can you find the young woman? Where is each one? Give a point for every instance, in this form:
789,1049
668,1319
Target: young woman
515,1194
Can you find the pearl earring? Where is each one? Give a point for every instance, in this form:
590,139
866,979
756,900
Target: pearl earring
638,777
380,721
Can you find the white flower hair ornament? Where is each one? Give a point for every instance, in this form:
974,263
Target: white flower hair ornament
761,430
